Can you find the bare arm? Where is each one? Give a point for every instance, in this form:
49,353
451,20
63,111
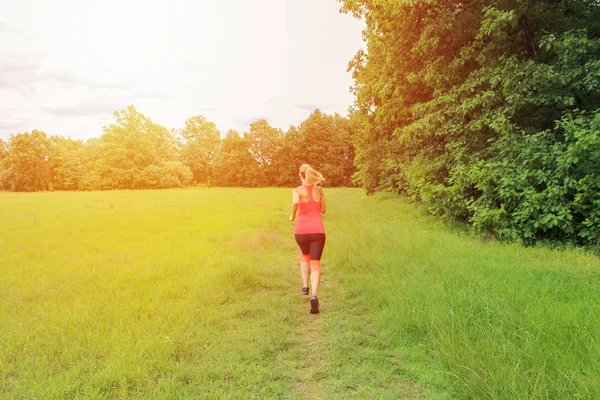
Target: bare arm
295,201
323,205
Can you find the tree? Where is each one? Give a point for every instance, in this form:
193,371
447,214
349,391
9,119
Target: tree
264,142
91,153
325,142
234,165
175,174
452,97
289,156
133,152
3,152
200,141
27,166
66,167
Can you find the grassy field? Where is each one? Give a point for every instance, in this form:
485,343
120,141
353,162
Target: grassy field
194,293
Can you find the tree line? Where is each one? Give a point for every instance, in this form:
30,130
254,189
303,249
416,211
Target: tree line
136,153
486,111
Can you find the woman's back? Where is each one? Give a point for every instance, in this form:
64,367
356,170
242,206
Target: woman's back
309,210
304,193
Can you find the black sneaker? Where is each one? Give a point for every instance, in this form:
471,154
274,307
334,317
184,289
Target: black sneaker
314,305
304,291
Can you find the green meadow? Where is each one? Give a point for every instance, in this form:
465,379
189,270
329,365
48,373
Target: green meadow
194,293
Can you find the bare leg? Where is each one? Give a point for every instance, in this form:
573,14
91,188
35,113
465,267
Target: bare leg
315,275
305,268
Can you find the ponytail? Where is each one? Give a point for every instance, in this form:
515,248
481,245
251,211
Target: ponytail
312,176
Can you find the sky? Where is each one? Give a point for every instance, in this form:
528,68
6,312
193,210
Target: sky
67,65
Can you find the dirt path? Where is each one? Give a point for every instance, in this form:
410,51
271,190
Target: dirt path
338,353
311,352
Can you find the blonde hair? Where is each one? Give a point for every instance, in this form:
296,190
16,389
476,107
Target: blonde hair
312,176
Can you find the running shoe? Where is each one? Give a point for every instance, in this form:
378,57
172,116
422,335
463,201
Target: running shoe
314,305
304,291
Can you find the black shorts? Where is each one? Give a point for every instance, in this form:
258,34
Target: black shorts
312,243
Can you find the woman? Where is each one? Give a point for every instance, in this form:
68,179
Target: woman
309,231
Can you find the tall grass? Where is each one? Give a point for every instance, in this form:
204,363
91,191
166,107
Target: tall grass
504,322
194,294
143,295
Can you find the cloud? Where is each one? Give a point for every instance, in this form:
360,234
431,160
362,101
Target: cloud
308,107
80,110
18,69
153,95
10,124
4,27
89,105
15,110
69,78
17,62
7,28
243,123
207,109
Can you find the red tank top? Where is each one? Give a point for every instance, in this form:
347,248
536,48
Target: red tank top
309,216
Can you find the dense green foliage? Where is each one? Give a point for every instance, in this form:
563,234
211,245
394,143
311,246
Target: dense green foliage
136,153
486,111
